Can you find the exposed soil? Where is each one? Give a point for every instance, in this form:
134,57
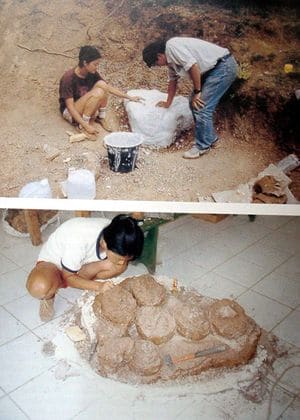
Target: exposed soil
256,120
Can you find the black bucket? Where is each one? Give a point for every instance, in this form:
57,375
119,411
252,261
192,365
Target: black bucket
122,150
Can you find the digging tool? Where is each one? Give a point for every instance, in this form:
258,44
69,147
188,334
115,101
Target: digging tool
171,361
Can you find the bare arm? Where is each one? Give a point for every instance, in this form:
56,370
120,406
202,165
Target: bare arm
195,75
78,118
102,269
172,87
117,92
78,282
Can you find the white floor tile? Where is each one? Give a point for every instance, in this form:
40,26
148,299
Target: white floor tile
280,287
228,240
22,253
208,258
163,409
27,309
292,412
266,312
9,410
56,398
102,410
273,222
215,286
117,408
292,227
265,256
203,410
234,406
282,241
8,240
28,267
12,285
180,269
251,232
70,294
176,241
174,224
214,228
48,331
287,365
288,329
20,361
242,271
10,328
291,267
6,265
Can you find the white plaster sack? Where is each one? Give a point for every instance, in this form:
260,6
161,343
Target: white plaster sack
159,126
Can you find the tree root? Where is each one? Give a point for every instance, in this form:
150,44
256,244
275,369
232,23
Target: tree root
44,50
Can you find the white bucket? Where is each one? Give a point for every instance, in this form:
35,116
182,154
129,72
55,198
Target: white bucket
36,189
80,184
122,149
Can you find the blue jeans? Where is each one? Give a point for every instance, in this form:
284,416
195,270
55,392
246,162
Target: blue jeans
214,84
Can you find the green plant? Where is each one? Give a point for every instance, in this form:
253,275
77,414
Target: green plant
244,72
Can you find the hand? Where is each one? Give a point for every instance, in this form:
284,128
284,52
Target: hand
162,104
197,102
103,286
90,129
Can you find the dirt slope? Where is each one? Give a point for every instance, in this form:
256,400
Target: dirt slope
40,40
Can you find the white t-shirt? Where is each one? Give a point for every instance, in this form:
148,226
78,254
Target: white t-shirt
183,52
74,243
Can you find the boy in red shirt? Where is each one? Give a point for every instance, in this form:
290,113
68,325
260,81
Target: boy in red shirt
83,93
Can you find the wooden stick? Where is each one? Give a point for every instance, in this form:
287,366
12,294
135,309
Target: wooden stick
33,226
77,137
44,50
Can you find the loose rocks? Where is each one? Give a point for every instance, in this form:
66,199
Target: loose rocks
117,305
191,321
145,359
115,352
140,324
155,324
147,291
228,318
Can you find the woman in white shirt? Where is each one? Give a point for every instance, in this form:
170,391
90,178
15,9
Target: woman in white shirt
81,251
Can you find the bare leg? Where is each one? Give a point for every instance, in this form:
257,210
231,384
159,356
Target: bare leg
42,283
44,280
96,98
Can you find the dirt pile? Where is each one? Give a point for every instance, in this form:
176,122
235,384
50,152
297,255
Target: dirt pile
144,333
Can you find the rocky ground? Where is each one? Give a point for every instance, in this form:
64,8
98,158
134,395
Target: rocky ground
256,120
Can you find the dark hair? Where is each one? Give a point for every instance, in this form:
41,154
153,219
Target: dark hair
151,51
124,236
88,54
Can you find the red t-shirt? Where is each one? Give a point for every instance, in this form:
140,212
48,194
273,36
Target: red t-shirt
72,86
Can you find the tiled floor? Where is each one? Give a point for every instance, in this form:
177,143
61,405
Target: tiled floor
257,263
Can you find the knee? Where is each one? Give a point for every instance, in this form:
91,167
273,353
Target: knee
203,114
98,95
37,286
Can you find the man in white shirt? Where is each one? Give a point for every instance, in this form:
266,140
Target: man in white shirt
212,70
81,251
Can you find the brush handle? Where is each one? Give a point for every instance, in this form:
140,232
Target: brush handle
199,353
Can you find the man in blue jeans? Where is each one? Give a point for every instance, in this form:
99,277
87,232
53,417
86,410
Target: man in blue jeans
212,69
